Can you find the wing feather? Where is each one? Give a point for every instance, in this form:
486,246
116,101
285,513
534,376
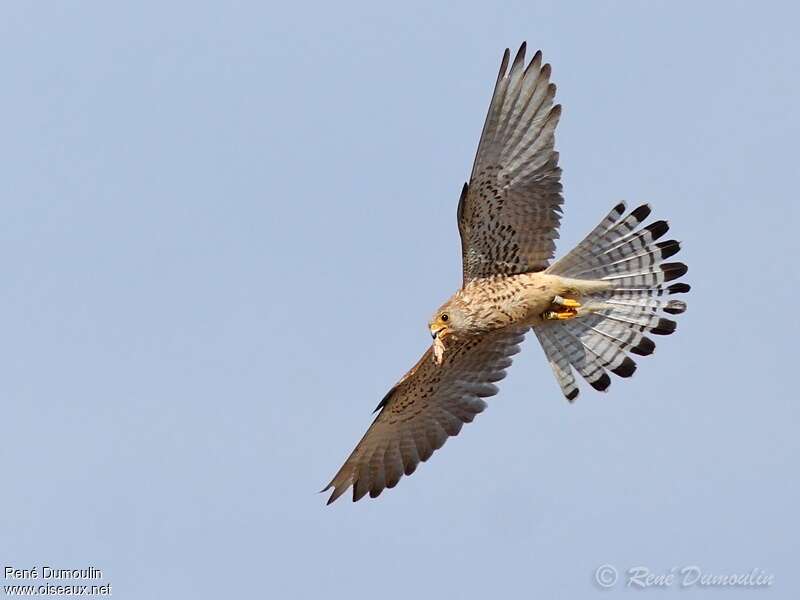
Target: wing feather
428,405
509,212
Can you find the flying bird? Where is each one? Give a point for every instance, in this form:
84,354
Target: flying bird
590,309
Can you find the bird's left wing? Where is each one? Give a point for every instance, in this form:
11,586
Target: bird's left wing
509,212
429,404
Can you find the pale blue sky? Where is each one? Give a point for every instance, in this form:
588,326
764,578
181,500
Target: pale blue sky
224,227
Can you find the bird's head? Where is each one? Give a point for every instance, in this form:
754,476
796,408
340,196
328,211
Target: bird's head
448,320
444,322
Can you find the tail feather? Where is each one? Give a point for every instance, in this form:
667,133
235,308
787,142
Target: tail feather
648,278
605,352
610,235
587,365
641,258
634,242
583,253
611,341
559,363
630,293
626,338
615,322
672,307
643,322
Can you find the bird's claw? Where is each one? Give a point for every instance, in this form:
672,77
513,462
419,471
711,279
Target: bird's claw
566,302
565,308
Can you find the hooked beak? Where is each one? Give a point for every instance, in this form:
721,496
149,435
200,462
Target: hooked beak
435,332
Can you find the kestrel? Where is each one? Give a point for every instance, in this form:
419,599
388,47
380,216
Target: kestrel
590,309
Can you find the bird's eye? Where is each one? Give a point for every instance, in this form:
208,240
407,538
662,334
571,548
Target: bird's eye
445,317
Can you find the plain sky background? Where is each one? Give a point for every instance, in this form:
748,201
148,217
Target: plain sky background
225,226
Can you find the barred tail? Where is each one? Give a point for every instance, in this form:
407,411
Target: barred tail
615,322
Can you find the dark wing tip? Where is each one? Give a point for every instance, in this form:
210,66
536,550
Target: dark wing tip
572,395
519,59
535,63
504,64
337,491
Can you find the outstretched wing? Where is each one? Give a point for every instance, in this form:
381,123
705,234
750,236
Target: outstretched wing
509,212
429,404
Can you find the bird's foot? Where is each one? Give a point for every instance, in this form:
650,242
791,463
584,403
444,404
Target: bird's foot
563,309
566,302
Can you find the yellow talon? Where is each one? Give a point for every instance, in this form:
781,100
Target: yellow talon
552,315
566,308
566,302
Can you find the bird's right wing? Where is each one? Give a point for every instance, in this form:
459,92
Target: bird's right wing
429,404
